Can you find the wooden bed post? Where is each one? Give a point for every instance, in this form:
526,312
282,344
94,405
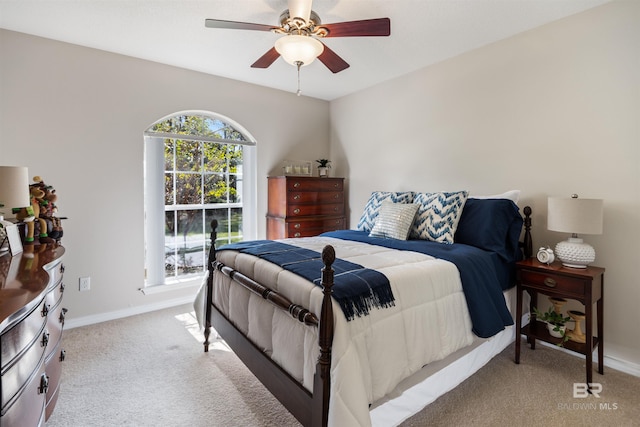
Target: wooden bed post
322,378
528,245
209,293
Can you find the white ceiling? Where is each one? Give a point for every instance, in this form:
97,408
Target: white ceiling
172,32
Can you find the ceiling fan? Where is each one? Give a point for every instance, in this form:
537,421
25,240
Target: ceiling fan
301,29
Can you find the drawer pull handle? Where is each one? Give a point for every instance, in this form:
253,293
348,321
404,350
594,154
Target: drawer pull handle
63,355
45,310
336,196
44,384
296,225
296,235
61,268
550,282
45,339
296,184
296,197
62,315
336,185
61,287
296,211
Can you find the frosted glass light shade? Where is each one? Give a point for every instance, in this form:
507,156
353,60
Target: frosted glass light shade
295,48
14,188
574,215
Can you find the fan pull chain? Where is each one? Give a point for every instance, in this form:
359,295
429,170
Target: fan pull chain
298,64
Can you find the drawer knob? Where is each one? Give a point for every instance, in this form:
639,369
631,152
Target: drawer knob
63,355
336,196
296,235
62,315
45,339
61,287
297,225
61,268
296,197
296,211
296,184
45,310
550,282
44,384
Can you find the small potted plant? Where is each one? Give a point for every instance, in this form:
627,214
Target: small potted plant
323,167
556,323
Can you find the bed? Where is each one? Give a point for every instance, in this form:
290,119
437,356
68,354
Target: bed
368,326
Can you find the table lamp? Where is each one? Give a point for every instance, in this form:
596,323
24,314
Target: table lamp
575,216
14,188
14,193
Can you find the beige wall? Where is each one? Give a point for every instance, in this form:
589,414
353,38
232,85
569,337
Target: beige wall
551,112
76,117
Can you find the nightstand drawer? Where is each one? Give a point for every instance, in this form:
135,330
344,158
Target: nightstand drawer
553,282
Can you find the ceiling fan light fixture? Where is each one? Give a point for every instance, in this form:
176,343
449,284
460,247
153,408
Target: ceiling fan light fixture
296,49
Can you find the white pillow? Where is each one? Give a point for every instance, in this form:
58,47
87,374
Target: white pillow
511,195
394,220
438,215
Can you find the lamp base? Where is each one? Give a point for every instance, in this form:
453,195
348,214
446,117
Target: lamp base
575,253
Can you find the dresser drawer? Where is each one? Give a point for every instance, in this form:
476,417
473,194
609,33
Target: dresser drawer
313,197
314,184
56,273
29,409
16,374
306,210
17,339
314,227
553,283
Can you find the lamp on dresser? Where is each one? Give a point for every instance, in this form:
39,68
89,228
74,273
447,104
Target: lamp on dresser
576,216
14,193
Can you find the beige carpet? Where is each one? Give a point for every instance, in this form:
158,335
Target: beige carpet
150,370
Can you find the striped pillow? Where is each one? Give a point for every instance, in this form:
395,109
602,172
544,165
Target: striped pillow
370,213
438,215
394,220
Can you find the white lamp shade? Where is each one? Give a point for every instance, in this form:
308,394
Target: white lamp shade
14,187
574,215
296,48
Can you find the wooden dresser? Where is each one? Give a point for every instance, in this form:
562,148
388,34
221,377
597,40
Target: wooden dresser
31,323
304,206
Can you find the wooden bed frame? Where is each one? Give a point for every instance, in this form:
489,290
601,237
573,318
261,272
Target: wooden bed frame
310,409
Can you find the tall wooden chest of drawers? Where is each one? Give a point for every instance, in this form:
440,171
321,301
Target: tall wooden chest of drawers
304,206
31,323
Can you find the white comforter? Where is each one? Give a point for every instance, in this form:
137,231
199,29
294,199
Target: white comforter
371,354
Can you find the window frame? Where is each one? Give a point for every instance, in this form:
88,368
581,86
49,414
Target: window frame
155,208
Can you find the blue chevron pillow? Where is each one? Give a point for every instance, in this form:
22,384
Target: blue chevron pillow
371,209
438,215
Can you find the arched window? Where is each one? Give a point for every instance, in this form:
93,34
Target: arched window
199,166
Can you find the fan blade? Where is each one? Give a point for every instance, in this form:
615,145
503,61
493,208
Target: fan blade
332,61
364,28
267,59
300,9
234,25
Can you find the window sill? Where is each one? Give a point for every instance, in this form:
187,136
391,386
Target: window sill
175,285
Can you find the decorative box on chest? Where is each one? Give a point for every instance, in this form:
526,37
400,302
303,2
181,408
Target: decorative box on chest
304,206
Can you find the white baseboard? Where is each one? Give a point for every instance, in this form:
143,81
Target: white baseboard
609,361
131,311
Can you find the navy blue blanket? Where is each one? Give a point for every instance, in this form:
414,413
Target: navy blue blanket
481,273
355,288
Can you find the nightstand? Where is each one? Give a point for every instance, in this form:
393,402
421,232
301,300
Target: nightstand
582,284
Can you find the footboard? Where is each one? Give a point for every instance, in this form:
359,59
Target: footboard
311,409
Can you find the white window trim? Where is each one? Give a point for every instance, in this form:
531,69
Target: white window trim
154,198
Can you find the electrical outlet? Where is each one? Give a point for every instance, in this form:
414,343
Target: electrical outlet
85,283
